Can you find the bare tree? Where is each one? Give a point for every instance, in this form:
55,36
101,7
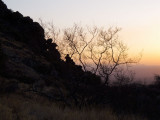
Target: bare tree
50,31
109,53
77,41
96,49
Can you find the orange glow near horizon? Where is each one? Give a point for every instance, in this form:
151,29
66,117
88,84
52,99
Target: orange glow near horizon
150,59
145,37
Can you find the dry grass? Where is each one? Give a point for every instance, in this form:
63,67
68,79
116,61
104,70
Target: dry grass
17,107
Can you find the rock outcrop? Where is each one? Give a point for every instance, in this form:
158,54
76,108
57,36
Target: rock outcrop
23,50
30,63
21,28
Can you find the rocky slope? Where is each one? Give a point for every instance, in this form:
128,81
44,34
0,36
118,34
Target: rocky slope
21,43
29,62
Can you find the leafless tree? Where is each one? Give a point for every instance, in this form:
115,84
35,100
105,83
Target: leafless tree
109,53
51,32
96,49
77,41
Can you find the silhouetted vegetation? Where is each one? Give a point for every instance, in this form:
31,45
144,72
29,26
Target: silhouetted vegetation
97,50
34,76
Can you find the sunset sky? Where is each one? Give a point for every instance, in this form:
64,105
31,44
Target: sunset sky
139,19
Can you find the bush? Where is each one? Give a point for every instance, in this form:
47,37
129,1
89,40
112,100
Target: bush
157,79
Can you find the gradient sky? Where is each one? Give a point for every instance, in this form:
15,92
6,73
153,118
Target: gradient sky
139,19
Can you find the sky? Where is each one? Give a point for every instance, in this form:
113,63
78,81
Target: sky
138,19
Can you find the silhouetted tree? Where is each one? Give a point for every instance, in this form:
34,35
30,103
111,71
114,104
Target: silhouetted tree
51,32
96,49
77,41
108,54
157,79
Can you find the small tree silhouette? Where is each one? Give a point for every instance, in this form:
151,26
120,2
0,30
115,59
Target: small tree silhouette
157,79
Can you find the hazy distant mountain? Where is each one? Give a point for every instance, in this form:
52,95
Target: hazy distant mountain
146,73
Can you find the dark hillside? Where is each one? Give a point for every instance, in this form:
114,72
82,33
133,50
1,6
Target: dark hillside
27,58
21,28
